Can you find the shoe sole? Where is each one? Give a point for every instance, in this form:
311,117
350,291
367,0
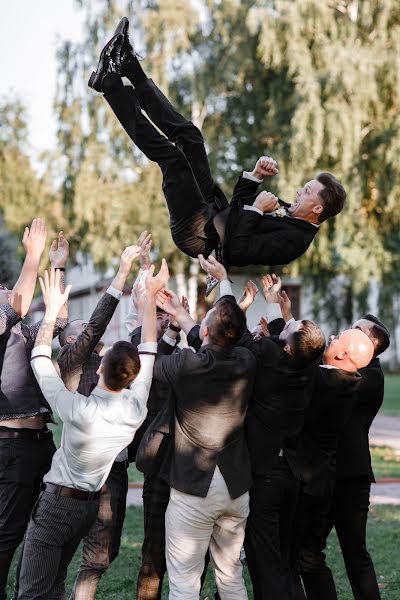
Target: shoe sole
96,77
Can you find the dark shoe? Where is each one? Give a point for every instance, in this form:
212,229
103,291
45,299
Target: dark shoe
110,57
128,54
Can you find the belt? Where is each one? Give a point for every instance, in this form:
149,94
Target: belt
27,434
68,492
120,465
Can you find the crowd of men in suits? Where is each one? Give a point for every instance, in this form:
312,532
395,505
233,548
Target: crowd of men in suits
253,444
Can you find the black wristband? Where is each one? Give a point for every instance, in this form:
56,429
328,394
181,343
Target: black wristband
59,268
173,328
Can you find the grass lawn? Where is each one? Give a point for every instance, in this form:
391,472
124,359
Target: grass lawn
391,403
385,461
383,540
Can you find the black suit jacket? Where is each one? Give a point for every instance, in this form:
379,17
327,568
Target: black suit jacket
79,362
249,238
159,398
282,394
212,389
353,457
312,456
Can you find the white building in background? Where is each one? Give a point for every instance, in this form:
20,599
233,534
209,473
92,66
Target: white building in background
88,286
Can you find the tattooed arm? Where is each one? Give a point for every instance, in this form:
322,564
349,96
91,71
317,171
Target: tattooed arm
54,299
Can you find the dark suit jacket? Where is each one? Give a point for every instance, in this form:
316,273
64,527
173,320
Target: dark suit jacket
353,457
159,397
212,389
250,238
22,395
282,394
312,456
79,362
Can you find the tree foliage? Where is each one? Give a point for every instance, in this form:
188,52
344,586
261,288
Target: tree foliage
314,84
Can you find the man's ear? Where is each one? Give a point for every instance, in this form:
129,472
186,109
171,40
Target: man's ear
205,331
342,355
100,370
317,209
287,348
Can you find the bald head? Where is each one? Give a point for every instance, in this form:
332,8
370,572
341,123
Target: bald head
350,351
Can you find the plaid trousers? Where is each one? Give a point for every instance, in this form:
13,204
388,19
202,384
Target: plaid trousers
153,567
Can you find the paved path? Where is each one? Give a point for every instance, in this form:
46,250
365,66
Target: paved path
381,493
385,431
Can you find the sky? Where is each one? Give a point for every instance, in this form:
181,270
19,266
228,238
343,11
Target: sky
29,30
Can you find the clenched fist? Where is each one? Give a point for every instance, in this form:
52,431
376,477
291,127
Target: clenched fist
266,166
266,202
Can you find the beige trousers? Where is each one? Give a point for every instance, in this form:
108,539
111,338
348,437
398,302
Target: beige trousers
192,525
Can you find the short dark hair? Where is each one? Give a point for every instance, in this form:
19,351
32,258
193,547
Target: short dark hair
380,332
120,364
62,336
226,324
333,196
308,343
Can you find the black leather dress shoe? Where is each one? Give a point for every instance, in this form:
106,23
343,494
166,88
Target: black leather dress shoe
110,57
108,62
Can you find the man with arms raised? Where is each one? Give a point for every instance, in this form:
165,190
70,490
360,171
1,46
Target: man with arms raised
96,429
26,443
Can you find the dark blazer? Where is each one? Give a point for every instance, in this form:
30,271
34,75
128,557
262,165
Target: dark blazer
159,397
312,456
282,394
212,389
353,457
22,395
249,238
79,362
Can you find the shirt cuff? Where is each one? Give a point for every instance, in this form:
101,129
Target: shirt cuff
248,175
41,350
292,320
131,322
253,208
169,340
225,288
141,278
148,347
114,292
273,311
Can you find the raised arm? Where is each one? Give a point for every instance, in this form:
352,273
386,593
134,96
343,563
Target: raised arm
49,381
34,241
78,352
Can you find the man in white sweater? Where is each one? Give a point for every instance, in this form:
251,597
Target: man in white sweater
96,429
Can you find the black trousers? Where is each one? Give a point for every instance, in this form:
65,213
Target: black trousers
23,463
349,513
308,545
269,531
153,566
57,526
102,543
187,182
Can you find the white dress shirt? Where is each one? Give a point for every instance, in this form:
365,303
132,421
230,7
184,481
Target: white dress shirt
96,428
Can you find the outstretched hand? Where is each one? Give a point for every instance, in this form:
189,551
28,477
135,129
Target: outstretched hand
127,258
249,295
34,238
285,305
145,242
53,297
213,267
155,283
271,285
59,251
168,301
